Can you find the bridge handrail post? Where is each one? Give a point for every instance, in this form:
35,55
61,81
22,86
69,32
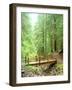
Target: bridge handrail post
25,59
36,59
28,60
39,60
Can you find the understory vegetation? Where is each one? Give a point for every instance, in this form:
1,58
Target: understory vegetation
43,70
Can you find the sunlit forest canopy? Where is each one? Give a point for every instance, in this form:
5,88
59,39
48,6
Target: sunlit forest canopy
41,34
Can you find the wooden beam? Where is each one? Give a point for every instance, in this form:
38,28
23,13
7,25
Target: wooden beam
42,62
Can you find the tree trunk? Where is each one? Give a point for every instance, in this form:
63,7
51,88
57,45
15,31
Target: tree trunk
54,34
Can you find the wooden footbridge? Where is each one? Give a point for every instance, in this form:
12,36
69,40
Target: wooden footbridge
39,61
42,62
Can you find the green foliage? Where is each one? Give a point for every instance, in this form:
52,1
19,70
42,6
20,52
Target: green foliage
42,38
32,70
43,70
56,70
26,36
59,69
49,33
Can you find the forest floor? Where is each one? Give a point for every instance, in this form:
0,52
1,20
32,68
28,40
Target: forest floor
45,69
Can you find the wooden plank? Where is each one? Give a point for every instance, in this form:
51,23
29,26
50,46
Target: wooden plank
42,62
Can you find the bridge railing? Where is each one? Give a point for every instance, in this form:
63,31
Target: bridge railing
37,59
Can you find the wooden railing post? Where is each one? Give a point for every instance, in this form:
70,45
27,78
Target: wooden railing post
36,59
25,59
28,60
39,60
